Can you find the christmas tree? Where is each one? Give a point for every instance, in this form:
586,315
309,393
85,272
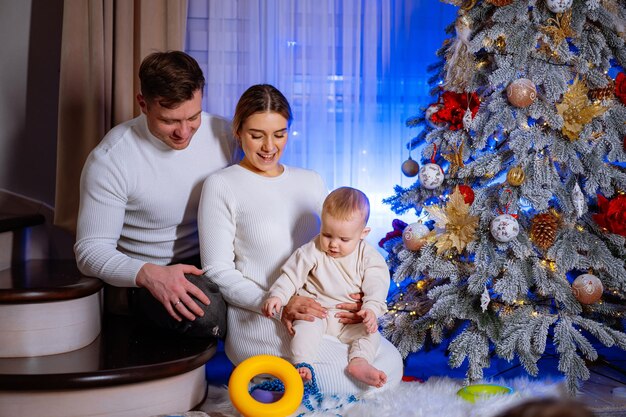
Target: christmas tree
519,240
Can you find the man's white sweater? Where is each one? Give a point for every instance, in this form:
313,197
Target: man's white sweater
139,198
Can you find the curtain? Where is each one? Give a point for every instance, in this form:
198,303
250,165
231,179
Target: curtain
353,70
103,43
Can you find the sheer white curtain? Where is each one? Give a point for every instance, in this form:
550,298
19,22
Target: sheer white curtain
353,71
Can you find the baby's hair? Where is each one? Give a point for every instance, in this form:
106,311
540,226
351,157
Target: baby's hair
548,407
344,202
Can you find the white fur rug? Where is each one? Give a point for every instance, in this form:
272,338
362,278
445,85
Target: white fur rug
435,397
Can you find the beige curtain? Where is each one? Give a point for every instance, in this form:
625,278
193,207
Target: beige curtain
103,44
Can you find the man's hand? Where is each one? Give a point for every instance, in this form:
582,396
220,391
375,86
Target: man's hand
369,320
350,316
169,285
301,308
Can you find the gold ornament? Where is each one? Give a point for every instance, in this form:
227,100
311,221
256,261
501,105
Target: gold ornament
501,43
587,288
543,228
459,226
455,157
576,110
559,29
521,92
515,176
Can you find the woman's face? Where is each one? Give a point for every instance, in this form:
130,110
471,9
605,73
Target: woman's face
263,137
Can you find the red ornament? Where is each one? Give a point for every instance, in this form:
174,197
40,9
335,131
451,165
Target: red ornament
467,193
612,216
620,87
454,107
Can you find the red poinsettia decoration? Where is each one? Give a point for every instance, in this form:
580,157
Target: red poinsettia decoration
612,216
398,228
620,87
454,107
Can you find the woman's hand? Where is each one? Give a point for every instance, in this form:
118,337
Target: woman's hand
301,308
349,316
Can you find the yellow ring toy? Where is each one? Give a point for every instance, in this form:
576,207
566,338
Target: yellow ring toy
475,392
265,364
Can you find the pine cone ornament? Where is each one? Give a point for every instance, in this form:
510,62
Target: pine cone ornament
603,93
499,3
543,229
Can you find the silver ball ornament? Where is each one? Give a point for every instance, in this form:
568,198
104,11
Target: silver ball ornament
521,92
413,236
410,167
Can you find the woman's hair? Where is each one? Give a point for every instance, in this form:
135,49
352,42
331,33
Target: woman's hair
260,98
170,77
344,202
548,407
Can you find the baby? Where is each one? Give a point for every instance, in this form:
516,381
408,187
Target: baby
336,263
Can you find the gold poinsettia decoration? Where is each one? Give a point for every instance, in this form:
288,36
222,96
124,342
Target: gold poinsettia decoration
577,110
454,155
560,28
459,227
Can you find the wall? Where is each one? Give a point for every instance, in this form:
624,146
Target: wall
31,42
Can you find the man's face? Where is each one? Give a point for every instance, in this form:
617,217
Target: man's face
175,127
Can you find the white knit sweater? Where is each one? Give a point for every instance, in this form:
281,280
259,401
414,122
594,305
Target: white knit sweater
139,198
249,225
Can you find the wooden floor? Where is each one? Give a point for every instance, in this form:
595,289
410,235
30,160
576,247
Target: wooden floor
605,391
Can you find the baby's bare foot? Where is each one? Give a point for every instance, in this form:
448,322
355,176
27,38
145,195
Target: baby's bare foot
360,369
305,374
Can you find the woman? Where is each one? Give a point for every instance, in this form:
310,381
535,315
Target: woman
252,216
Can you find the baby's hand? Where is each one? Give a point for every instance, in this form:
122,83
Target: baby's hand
369,320
271,305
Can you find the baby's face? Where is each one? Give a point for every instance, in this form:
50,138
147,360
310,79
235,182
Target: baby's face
339,238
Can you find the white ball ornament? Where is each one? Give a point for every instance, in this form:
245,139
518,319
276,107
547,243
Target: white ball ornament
430,110
431,176
558,6
413,236
504,228
587,288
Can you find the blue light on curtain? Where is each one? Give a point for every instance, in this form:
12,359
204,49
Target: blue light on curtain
353,70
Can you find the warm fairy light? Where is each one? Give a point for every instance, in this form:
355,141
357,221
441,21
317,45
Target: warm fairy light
420,285
580,228
534,314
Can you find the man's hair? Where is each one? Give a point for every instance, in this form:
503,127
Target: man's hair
548,407
260,98
344,202
170,78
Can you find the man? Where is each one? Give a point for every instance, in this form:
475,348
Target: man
139,193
